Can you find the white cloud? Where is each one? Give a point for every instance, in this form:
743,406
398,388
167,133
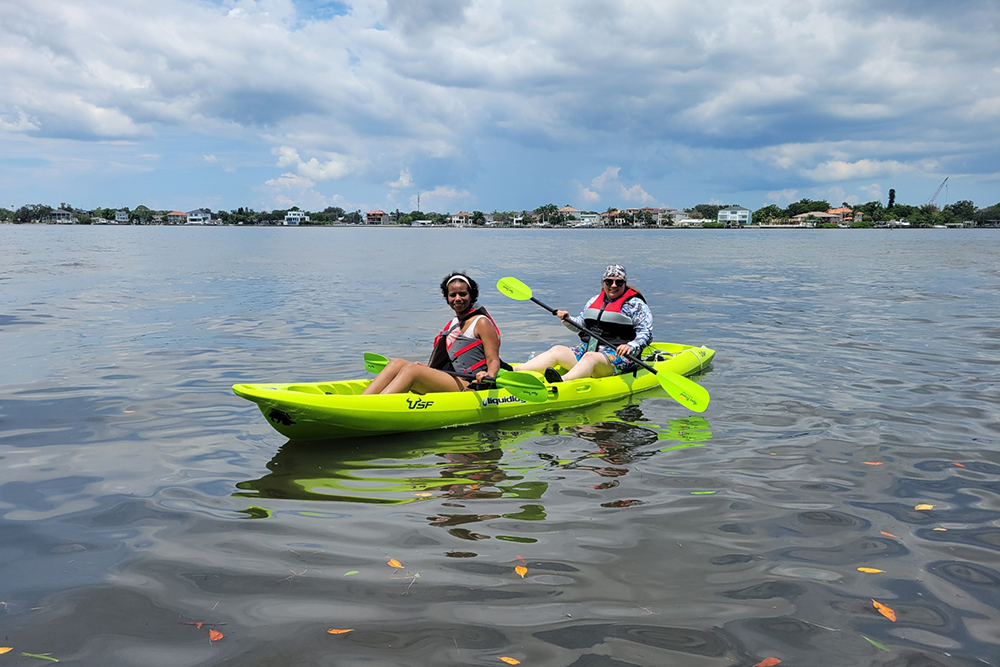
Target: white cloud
874,191
608,182
782,196
840,170
211,159
405,180
287,156
334,168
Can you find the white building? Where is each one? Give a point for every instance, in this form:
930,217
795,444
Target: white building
734,216
121,216
667,216
198,217
296,217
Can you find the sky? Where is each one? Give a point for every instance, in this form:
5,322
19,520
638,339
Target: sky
497,105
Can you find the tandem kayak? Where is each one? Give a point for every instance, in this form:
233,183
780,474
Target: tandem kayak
337,409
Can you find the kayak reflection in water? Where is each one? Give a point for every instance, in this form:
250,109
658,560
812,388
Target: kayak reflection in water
618,314
468,344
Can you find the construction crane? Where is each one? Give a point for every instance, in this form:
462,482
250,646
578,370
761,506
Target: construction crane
938,191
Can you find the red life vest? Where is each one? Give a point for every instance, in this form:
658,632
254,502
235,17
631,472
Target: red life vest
605,318
464,353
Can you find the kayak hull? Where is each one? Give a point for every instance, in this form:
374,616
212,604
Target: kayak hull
310,411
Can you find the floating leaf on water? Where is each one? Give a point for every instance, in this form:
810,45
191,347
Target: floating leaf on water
521,570
347,574
508,660
6,649
885,611
394,563
869,570
423,494
888,534
215,635
924,506
703,493
874,643
958,464
340,631
128,412
941,529
519,558
767,662
873,463
198,625
40,657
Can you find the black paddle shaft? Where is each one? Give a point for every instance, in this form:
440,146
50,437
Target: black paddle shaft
591,333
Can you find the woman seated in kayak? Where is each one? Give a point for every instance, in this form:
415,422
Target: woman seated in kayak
619,315
468,344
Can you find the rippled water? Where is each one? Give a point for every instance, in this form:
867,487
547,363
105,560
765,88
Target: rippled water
855,379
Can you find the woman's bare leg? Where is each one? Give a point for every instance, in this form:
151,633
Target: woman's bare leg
422,380
591,364
558,355
386,375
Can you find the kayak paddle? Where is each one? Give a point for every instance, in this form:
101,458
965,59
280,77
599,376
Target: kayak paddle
525,386
687,392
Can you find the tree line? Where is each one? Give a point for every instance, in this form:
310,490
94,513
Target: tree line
872,212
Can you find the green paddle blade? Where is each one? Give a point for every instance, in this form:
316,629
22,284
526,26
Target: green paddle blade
374,363
525,386
687,392
514,288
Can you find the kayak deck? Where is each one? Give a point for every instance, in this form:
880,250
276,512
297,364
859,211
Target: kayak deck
308,411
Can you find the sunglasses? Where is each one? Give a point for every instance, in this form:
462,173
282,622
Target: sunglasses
613,282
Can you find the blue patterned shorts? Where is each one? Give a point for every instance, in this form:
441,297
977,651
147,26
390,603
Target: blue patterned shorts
620,364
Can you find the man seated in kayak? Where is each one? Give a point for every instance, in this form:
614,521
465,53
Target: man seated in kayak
618,314
468,344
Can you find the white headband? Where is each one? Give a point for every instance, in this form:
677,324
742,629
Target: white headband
459,276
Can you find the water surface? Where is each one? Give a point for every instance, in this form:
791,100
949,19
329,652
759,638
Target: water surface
855,379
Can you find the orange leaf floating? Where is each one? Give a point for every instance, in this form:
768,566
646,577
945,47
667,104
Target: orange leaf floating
873,463
6,649
339,631
767,662
869,570
509,661
958,464
924,506
885,611
888,534
521,570
394,563
215,635
519,558
198,625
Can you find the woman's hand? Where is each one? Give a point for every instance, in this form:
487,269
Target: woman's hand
623,350
480,375
562,315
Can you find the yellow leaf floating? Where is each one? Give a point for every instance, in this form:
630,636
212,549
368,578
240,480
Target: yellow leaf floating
394,563
6,649
924,506
941,529
888,534
869,570
509,660
885,611
521,570
873,463
340,631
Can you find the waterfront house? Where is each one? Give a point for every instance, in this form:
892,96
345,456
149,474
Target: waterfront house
296,217
568,212
198,217
376,218
121,216
177,218
734,216
818,217
60,217
461,218
667,216
846,214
